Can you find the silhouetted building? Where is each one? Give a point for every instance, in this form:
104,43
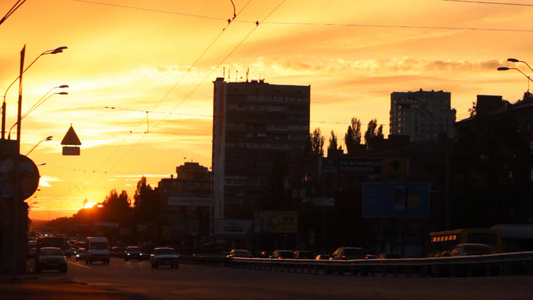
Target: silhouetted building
257,127
186,204
493,163
421,115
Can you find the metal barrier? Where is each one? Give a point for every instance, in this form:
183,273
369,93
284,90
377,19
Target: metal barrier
515,263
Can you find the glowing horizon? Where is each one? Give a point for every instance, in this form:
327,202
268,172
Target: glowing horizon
140,74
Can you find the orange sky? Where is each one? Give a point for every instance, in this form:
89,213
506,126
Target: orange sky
154,62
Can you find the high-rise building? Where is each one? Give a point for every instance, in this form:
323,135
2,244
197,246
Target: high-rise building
256,125
422,115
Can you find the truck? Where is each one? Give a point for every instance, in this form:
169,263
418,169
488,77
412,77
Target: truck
97,250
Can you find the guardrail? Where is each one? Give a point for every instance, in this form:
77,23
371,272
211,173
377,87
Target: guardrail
515,263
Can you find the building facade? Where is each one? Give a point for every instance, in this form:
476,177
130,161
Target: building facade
422,115
186,204
256,126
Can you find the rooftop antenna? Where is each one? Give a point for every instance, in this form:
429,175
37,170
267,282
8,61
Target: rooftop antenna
237,75
247,71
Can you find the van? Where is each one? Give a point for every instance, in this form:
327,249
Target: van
97,250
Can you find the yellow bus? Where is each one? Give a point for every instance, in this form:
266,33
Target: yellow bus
440,243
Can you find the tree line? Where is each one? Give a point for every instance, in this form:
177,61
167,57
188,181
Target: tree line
352,137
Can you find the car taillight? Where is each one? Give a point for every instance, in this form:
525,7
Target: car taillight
343,257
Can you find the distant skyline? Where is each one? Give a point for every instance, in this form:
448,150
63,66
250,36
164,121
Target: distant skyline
140,74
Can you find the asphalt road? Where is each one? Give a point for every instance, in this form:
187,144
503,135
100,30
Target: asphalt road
137,280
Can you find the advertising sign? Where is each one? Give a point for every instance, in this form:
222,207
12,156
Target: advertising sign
233,228
395,200
354,166
276,221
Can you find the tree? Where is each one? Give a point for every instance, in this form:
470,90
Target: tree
146,202
317,142
116,208
373,131
352,138
333,142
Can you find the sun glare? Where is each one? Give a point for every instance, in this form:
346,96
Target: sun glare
89,204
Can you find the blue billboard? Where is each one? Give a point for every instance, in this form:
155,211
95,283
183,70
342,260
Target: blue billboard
395,200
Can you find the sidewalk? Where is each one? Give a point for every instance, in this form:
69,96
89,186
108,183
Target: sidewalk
30,286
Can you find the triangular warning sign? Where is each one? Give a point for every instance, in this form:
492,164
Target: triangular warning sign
71,138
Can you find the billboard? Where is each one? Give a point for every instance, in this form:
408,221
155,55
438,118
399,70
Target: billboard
267,221
353,166
233,228
395,200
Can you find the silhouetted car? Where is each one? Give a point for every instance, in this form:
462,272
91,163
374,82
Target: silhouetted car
349,253
323,256
164,256
470,249
239,253
117,251
303,254
81,254
50,258
133,252
282,254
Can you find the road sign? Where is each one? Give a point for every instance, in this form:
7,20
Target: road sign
27,176
395,166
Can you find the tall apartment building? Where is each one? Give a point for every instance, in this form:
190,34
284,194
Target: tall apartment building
254,124
421,115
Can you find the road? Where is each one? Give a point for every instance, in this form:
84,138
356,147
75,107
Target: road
139,281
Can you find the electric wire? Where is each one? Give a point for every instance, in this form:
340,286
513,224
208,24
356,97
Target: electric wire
337,24
160,101
490,2
12,10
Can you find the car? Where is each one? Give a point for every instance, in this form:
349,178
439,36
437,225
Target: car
117,251
164,256
323,256
282,254
133,252
345,253
81,254
50,258
32,252
303,254
69,251
470,249
239,253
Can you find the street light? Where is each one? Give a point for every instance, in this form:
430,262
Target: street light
48,138
520,61
507,68
37,104
51,51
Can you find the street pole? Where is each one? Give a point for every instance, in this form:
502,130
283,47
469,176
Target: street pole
19,261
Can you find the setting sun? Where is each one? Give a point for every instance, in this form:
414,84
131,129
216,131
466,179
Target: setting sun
89,205
140,74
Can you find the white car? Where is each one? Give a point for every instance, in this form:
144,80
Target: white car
50,258
164,256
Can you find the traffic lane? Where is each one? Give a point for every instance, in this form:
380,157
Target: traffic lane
193,282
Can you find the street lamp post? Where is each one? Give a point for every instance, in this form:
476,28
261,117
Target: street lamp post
22,71
528,78
520,61
37,104
48,138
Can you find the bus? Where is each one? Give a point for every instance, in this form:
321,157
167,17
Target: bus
440,243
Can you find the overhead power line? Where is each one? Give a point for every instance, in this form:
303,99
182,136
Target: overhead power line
332,24
12,10
490,2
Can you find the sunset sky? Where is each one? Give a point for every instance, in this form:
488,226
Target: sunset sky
140,73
